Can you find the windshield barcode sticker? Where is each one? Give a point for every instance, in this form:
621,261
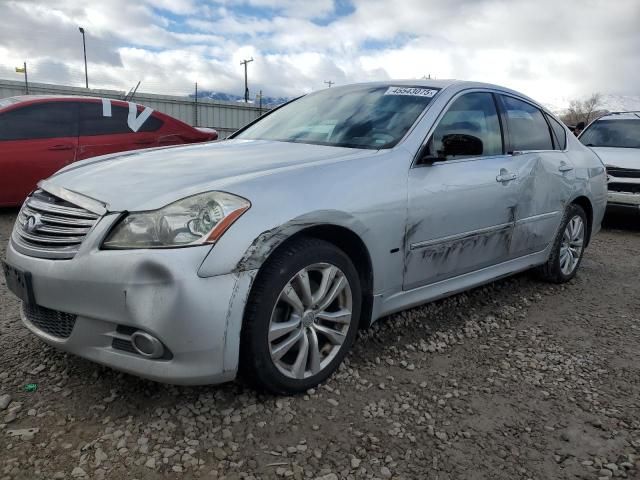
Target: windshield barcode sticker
411,91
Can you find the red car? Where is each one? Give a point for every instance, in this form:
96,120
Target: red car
41,134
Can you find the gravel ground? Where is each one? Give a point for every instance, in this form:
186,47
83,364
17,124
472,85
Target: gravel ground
515,380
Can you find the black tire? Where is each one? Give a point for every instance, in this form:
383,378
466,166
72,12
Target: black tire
256,364
551,271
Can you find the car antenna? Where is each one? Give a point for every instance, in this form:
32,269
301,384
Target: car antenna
129,96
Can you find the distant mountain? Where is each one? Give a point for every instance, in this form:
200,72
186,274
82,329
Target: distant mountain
621,103
229,97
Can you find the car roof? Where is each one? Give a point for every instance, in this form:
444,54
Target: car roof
41,98
21,100
620,116
445,84
432,83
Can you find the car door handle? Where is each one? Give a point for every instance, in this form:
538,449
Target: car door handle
565,167
62,146
506,176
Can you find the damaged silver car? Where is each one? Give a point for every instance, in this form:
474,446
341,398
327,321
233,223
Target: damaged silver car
265,253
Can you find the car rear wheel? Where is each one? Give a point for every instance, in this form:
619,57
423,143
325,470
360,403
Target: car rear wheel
568,248
301,318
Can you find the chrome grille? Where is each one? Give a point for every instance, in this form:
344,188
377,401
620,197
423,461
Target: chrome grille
623,172
623,187
50,227
58,324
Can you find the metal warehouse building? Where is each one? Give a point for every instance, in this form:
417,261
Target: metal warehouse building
225,117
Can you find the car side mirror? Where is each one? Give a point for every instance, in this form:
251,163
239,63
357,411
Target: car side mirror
427,156
453,145
460,144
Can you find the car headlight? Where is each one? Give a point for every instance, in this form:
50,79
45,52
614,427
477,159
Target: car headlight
195,220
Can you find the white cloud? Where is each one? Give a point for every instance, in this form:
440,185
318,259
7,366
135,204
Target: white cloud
290,8
547,49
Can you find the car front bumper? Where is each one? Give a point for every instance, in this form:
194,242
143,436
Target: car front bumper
623,201
156,291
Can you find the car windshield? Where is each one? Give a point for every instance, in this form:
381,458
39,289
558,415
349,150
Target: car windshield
613,133
356,117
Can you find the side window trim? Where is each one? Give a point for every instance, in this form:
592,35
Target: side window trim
550,121
554,138
504,125
427,139
554,141
509,149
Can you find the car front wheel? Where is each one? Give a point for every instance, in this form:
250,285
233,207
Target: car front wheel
301,317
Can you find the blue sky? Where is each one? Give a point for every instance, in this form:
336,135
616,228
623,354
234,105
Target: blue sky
550,50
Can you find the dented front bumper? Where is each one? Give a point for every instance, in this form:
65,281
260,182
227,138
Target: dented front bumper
623,199
159,292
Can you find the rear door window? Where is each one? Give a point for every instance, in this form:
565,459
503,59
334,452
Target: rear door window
528,130
40,120
94,122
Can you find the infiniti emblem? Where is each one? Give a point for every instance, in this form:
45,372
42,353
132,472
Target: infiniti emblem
33,222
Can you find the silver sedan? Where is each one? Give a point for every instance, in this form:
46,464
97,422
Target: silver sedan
265,253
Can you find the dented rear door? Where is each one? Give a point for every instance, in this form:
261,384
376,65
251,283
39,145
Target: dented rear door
539,142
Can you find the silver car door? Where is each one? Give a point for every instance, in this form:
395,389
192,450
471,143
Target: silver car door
549,176
463,192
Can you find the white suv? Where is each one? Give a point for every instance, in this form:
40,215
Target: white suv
615,138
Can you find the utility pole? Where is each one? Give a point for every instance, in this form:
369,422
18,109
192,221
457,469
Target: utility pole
84,48
260,97
246,86
195,122
26,83
329,82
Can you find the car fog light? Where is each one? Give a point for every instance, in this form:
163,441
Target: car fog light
147,345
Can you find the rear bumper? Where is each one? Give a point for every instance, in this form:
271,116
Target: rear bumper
159,292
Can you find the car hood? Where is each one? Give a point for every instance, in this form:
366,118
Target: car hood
150,179
619,157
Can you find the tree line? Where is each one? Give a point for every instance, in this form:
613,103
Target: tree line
583,110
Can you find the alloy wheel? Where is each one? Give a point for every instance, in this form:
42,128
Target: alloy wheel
572,245
310,320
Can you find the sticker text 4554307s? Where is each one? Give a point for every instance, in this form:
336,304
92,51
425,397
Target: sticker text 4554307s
411,91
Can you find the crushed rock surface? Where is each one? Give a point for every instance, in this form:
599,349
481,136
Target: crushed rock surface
515,380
